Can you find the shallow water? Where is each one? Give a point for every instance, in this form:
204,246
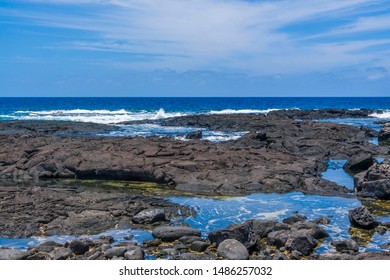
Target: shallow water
336,173
216,213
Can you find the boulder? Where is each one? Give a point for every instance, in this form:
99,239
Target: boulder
60,253
293,219
346,246
10,254
361,218
149,216
375,182
384,134
79,247
199,246
232,249
313,229
358,163
194,135
239,232
191,256
170,233
134,254
301,241
278,238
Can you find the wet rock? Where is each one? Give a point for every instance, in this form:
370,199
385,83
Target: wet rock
149,216
381,230
278,238
60,253
361,218
314,230
232,249
293,219
346,246
239,232
322,220
302,242
115,252
47,246
79,247
199,246
375,182
195,135
134,254
190,239
169,252
169,233
384,134
191,256
10,254
261,228
358,163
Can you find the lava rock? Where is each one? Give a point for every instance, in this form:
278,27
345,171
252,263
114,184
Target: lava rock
239,232
195,135
191,256
384,134
149,216
375,182
293,219
278,238
346,246
232,249
189,239
10,254
361,218
199,246
302,242
79,247
170,233
134,254
358,163
60,253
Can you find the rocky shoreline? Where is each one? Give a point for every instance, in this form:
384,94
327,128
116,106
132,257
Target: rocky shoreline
282,152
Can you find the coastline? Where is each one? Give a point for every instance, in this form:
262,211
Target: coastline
282,152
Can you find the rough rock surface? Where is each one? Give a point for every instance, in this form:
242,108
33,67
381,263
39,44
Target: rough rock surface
384,134
231,249
149,216
170,233
72,210
195,135
280,155
361,218
375,182
358,163
346,246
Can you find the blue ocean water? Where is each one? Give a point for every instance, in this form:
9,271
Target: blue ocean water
194,105
114,111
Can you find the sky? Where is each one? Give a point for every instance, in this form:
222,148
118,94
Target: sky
195,48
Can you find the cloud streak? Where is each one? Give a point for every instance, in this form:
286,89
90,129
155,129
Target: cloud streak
255,37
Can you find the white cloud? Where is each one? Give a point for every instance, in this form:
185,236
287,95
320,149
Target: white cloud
215,34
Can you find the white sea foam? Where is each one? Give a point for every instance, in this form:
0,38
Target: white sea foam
384,115
95,116
242,111
161,114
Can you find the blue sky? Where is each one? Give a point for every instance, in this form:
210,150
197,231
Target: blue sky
195,48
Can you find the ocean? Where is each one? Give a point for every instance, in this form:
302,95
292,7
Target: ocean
117,110
211,213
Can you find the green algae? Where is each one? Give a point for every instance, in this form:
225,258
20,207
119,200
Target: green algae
363,237
378,207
